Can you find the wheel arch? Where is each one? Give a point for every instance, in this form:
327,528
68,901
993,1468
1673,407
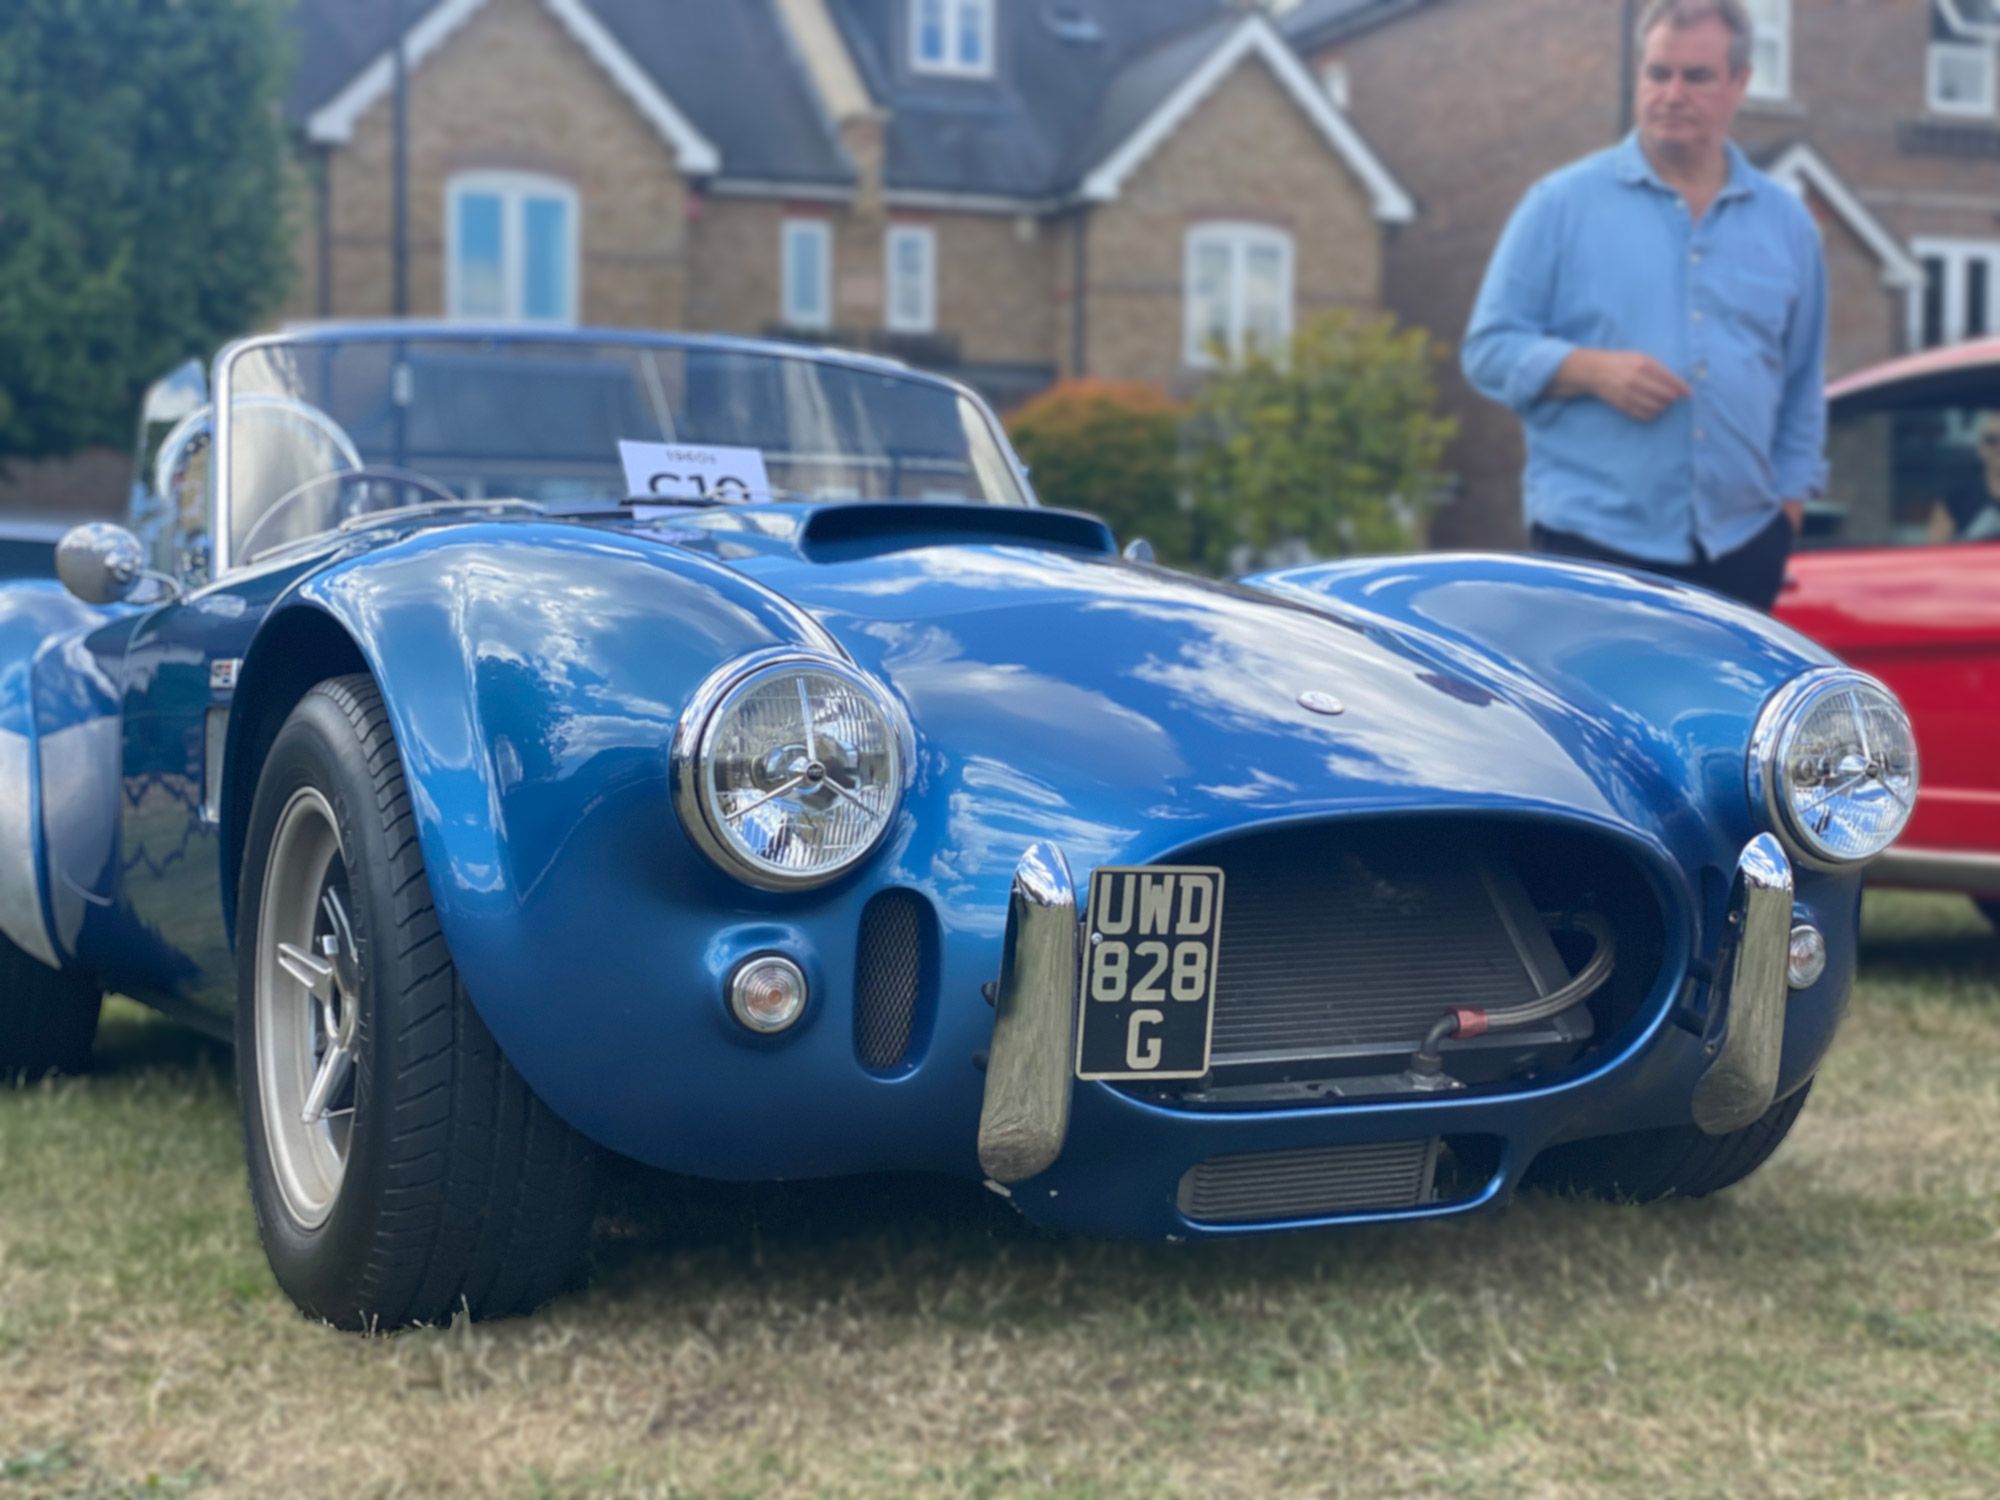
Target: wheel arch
298,647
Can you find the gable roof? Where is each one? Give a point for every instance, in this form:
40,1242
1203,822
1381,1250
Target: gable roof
1083,92
680,63
1009,136
1313,24
1799,167
1181,76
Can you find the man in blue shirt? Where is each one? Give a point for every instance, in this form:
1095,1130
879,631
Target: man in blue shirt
1656,314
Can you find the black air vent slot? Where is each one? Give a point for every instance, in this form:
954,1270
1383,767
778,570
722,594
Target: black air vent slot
892,971
867,528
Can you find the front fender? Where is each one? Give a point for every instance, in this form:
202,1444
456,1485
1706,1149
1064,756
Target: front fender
533,676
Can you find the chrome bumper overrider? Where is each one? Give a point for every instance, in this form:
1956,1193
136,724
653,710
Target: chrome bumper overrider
1751,990
1025,1115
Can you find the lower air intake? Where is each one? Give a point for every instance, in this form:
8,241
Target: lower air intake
888,978
1311,1184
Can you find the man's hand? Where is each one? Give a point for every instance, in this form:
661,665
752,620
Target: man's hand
1636,384
1795,512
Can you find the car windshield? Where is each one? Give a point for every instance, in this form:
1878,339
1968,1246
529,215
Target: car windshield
1911,465
321,430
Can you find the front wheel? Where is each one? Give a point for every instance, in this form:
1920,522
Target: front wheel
401,1170
1681,1162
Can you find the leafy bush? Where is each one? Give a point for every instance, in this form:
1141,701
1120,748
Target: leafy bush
142,202
1334,447
1111,448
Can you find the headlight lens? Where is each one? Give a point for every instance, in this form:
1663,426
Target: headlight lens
1834,764
788,773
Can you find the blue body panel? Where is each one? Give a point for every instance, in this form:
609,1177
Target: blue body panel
534,671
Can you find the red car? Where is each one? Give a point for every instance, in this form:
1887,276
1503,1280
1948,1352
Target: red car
1899,574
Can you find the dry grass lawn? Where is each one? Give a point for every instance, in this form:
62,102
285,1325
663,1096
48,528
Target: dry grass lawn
1830,1328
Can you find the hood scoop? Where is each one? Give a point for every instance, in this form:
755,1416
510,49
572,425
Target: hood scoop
842,533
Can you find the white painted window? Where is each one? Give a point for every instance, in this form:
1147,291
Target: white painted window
1238,291
911,279
510,248
808,274
952,36
1960,78
1770,48
1960,297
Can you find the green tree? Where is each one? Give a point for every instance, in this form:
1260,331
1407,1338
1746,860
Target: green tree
1335,445
142,202
1111,448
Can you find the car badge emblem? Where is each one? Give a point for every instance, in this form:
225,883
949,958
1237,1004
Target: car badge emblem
1322,703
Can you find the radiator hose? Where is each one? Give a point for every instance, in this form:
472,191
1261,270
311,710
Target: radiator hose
1427,1066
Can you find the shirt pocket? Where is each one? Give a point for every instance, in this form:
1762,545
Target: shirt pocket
1758,306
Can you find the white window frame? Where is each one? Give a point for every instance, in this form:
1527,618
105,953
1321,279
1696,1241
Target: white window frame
819,319
1939,52
1776,27
1239,239
954,17
924,320
1957,255
514,189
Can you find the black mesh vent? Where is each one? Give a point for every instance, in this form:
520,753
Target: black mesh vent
888,978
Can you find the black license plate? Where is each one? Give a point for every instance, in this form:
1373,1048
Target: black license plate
1149,972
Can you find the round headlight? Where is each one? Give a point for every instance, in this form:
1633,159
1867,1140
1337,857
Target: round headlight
787,772
1834,765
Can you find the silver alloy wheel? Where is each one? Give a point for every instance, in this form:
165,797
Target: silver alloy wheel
307,1008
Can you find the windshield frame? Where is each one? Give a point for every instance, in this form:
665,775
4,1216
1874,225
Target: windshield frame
221,531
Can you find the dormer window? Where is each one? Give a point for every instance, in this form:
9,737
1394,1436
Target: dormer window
952,37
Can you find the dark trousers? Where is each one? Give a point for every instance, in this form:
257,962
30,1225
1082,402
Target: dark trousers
1753,573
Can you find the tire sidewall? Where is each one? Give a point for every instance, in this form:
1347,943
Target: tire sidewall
323,1268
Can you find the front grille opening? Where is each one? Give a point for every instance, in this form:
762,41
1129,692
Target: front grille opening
1342,944
894,974
1326,1182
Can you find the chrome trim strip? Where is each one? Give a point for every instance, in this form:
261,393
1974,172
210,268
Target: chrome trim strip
1025,1116
20,886
1752,988
1937,869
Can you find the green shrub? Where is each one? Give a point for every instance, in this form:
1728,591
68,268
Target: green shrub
142,202
1111,448
1334,447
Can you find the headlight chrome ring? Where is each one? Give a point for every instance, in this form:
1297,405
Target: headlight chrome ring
1833,767
788,768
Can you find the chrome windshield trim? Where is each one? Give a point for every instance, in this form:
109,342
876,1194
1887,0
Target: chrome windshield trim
1752,989
1024,1118
221,559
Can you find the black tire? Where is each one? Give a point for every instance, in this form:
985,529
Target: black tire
1683,1162
459,1188
48,1017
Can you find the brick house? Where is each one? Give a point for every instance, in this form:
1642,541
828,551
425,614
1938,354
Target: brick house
1007,190
1885,116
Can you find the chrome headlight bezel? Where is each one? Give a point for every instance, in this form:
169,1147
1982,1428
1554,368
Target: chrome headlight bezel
1771,745
690,763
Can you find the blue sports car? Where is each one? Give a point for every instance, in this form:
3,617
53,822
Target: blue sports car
532,745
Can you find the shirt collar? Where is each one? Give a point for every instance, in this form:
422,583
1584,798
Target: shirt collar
1634,168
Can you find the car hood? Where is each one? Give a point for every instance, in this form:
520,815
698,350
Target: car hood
1126,711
